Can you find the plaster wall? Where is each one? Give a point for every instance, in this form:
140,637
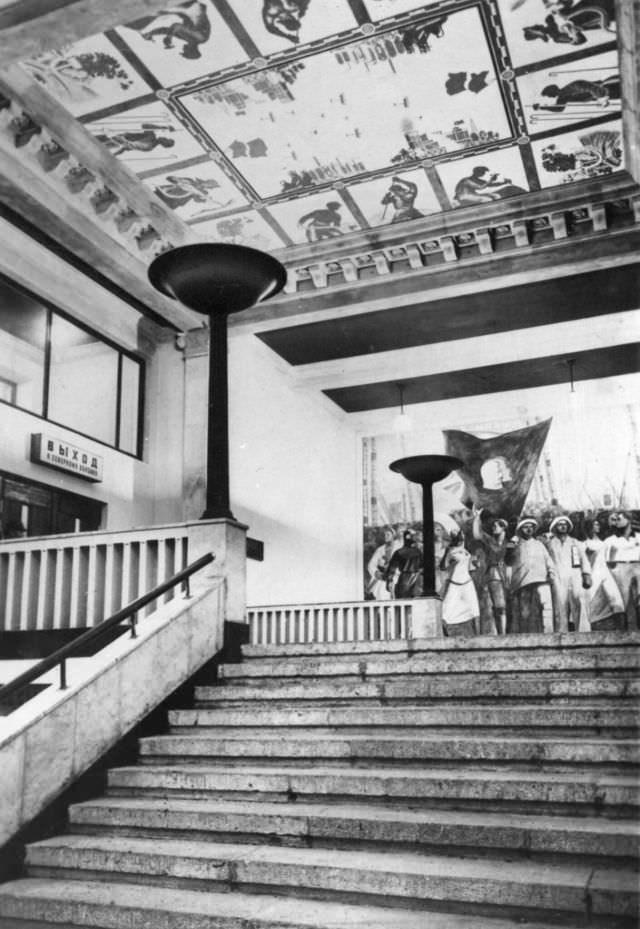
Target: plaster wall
294,477
117,488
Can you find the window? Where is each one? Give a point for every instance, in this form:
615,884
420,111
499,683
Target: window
23,336
61,371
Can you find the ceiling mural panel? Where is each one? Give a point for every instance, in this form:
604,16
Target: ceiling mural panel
290,121
88,76
579,156
316,218
537,30
248,228
395,199
276,25
198,192
571,93
492,176
146,138
187,41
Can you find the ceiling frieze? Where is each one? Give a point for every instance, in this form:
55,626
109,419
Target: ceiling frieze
481,237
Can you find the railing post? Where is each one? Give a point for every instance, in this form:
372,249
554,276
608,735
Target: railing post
133,622
63,674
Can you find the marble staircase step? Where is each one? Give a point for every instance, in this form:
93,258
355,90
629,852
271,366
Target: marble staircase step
531,719
472,833
611,660
457,749
356,876
594,642
462,689
42,904
486,788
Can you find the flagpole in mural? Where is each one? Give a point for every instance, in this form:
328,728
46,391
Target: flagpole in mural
426,470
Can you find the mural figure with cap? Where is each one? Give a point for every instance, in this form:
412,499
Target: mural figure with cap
531,568
404,572
572,577
494,579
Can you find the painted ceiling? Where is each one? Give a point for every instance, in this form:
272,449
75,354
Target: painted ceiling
277,122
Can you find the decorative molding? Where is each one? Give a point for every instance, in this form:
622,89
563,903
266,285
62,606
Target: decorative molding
88,192
427,247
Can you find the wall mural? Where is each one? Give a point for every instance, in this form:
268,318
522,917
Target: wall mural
539,531
331,116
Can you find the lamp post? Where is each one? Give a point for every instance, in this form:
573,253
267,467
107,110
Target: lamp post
217,279
426,470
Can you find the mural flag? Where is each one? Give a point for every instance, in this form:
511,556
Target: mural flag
498,471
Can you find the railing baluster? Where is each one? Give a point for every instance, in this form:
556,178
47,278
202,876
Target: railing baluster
26,619
41,596
58,586
74,591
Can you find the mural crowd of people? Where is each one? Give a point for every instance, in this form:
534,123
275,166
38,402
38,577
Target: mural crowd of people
551,571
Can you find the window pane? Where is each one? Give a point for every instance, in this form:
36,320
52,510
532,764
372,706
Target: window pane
83,381
129,405
23,327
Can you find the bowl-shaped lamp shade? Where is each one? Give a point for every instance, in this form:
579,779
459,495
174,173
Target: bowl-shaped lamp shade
425,469
216,278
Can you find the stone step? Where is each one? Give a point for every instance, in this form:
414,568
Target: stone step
539,718
611,660
340,825
432,688
495,789
201,748
595,642
41,904
359,876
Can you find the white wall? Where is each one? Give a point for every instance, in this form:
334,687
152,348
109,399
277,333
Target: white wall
294,481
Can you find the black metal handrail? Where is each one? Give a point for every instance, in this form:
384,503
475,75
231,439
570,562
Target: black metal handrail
127,612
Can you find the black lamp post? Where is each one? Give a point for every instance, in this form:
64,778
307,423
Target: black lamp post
426,470
217,279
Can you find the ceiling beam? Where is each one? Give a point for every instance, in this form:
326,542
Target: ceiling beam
610,361
464,353
30,27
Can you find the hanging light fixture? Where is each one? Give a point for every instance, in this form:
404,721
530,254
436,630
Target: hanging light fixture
575,399
402,422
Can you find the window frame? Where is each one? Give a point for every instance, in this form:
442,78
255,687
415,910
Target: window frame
52,309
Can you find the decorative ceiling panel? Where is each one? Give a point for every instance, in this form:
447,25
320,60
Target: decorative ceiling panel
292,121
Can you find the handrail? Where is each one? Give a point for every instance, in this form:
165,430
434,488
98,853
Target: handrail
60,656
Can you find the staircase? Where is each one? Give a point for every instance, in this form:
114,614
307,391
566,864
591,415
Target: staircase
455,784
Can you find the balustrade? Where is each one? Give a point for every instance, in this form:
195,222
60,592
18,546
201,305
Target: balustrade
77,580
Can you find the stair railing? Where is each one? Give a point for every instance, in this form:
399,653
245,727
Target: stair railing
129,612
